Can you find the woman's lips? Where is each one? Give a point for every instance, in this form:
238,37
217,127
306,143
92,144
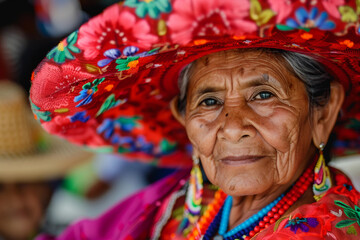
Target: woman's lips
240,160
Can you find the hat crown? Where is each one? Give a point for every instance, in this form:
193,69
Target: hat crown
18,130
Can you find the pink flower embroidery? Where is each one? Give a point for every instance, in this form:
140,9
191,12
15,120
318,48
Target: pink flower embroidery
52,80
191,19
112,29
282,8
76,132
331,7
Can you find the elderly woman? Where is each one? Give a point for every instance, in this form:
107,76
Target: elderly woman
253,90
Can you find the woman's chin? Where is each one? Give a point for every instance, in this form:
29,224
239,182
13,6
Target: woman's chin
245,178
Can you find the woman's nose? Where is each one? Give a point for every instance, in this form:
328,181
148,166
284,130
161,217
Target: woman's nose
236,126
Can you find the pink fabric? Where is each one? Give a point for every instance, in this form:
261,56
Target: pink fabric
130,219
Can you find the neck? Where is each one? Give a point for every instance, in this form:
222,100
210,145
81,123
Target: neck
244,207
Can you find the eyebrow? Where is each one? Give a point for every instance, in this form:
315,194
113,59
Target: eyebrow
256,81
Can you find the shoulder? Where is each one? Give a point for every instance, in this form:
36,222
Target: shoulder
335,216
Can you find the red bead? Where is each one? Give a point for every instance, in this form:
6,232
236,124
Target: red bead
290,202
270,214
276,216
257,229
266,219
294,198
251,233
274,209
286,207
301,191
247,238
261,224
281,211
272,221
267,225
282,201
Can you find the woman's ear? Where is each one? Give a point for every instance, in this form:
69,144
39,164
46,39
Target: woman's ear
175,111
324,118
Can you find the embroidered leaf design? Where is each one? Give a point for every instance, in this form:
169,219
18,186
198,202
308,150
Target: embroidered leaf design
109,103
283,27
350,213
92,68
87,85
345,223
126,63
357,208
43,115
341,204
351,230
278,223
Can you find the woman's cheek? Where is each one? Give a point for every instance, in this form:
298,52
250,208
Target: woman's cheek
201,130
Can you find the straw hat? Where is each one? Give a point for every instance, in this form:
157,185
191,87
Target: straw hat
115,76
27,152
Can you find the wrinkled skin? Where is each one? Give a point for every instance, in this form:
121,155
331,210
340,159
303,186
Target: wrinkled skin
250,123
22,207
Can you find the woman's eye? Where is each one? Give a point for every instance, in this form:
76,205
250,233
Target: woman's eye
263,95
209,102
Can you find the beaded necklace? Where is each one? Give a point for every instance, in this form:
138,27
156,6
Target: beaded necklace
210,222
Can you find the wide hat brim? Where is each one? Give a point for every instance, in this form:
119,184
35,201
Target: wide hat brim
50,163
109,84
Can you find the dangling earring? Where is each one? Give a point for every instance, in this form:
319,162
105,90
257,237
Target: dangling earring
193,197
322,178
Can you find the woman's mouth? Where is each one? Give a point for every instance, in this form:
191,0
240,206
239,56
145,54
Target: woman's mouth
240,160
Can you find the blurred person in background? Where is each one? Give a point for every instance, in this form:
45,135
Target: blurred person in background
32,165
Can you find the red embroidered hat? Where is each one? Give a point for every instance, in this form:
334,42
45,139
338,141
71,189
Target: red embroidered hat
108,84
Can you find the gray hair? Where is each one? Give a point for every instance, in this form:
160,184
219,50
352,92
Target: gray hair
311,72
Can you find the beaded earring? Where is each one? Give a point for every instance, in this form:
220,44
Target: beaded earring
193,199
322,178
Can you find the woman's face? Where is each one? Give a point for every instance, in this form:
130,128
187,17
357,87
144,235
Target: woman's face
22,208
249,122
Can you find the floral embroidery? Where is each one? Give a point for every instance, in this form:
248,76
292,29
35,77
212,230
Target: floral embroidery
107,128
88,91
115,53
205,18
56,79
63,50
79,116
110,55
114,29
282,8
127,63
348,14
152,7
258,15
331,6
307,20
77,132
352,214
297,223
45,116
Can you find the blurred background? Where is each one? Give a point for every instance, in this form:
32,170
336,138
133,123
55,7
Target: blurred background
28,30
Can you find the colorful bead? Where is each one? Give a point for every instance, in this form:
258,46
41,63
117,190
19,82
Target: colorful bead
218,211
